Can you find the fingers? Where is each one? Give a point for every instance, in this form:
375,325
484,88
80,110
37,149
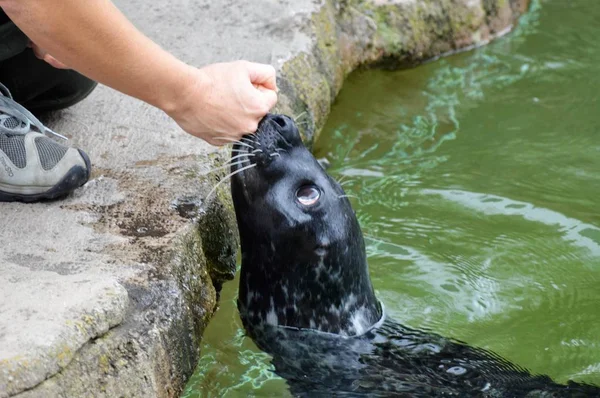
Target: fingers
263,79
44,56
264,100
262,75
269,97
226,100
54,62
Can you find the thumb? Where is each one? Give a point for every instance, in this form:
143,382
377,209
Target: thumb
263,75
268,96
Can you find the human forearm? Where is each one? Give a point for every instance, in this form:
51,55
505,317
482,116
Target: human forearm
217,103
94,38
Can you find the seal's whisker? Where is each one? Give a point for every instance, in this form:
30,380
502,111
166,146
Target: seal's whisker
240,156
233,141
227,177
248,140
344,182
225,139
342,179
348,196
299,116
240,150
224,167
275,154
257,150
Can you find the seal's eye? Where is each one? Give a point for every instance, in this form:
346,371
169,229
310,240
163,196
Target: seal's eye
308,195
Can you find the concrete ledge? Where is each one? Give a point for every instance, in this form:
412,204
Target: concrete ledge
108,292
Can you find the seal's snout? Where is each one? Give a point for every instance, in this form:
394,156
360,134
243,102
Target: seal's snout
281,129
275,137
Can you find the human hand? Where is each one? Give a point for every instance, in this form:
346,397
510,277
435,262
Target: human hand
44,56
227,100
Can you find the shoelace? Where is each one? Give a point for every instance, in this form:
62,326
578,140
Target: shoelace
10,108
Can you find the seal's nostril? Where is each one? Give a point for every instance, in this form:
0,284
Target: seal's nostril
280,120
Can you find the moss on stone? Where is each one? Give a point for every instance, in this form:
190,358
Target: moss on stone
191,274
311,88
104,363
327,51
63,355
218,234
206,255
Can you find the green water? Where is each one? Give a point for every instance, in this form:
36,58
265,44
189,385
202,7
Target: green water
476,181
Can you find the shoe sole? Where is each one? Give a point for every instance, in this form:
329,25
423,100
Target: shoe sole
74,179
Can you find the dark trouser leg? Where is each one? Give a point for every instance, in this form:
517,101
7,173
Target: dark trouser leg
33,83
40,87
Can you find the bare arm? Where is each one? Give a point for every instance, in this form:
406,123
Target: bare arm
94,38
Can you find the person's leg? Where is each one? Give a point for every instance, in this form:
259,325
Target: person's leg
32,166
34,83
12,40
40,87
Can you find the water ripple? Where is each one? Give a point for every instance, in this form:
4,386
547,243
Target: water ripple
574,231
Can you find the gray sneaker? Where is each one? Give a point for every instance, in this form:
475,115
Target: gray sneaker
33,166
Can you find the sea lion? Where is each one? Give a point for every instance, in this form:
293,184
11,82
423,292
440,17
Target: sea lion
306,298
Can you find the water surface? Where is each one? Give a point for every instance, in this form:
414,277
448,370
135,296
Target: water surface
476,181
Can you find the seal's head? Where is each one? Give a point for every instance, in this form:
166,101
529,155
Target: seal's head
303,257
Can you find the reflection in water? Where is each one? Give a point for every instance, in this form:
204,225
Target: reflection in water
475,181
575,232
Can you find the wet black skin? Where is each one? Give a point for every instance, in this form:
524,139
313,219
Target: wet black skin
304,279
